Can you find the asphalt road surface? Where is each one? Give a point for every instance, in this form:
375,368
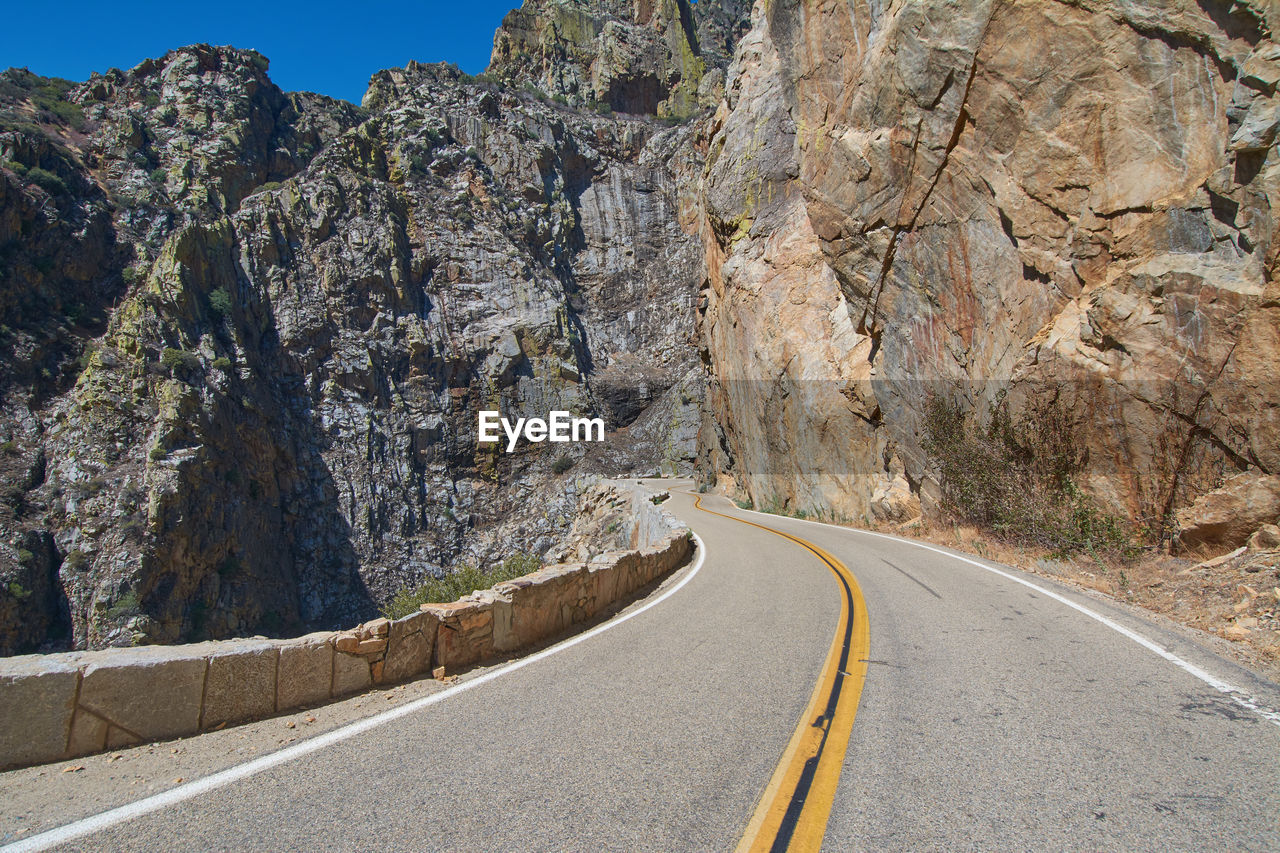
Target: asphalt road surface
993,716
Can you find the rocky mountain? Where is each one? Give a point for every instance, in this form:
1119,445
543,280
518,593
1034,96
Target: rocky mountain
247,332
1061,214
662,57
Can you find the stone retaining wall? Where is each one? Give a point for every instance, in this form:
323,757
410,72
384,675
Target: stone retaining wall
63,705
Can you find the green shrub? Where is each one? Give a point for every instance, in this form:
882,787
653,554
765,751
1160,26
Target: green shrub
75,560
465,581
222,363
159,175
47,181
175,360
68,113
563,463
18,591
220,302
125,606
520,564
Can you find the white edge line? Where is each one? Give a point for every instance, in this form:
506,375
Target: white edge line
129,811
1241,697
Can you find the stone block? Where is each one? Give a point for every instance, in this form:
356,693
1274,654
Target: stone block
151,693
606,581
305,673
242,682
465,635
410,644
545,607
504,635
37,697
350,674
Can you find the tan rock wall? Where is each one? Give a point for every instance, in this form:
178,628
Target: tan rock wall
1053,201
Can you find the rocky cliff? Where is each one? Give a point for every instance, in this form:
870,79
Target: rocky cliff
1016,207
247,332
663,57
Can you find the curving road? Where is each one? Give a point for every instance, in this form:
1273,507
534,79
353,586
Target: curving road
992,716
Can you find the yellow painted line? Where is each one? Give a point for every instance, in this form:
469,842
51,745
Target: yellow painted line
793,810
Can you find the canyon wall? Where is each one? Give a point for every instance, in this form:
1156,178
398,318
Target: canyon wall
246,332
1064,205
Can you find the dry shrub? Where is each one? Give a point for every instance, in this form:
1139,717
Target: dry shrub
1014,478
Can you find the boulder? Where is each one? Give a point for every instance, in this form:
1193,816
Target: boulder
1227,516
1265,538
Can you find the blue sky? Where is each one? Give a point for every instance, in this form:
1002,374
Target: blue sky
318,46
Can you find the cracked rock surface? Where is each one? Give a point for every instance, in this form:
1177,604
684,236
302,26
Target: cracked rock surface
247,332
1050,204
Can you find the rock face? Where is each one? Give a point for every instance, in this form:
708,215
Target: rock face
629,56
246,332
252,330
1049,204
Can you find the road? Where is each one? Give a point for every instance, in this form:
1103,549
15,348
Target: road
992,716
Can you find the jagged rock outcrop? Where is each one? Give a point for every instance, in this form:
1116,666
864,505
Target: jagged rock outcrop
1229,516
629,56
1053,204
247,331
263,416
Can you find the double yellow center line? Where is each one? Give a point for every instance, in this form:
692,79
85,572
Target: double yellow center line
793,811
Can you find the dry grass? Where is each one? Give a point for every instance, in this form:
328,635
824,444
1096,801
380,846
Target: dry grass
1238,600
